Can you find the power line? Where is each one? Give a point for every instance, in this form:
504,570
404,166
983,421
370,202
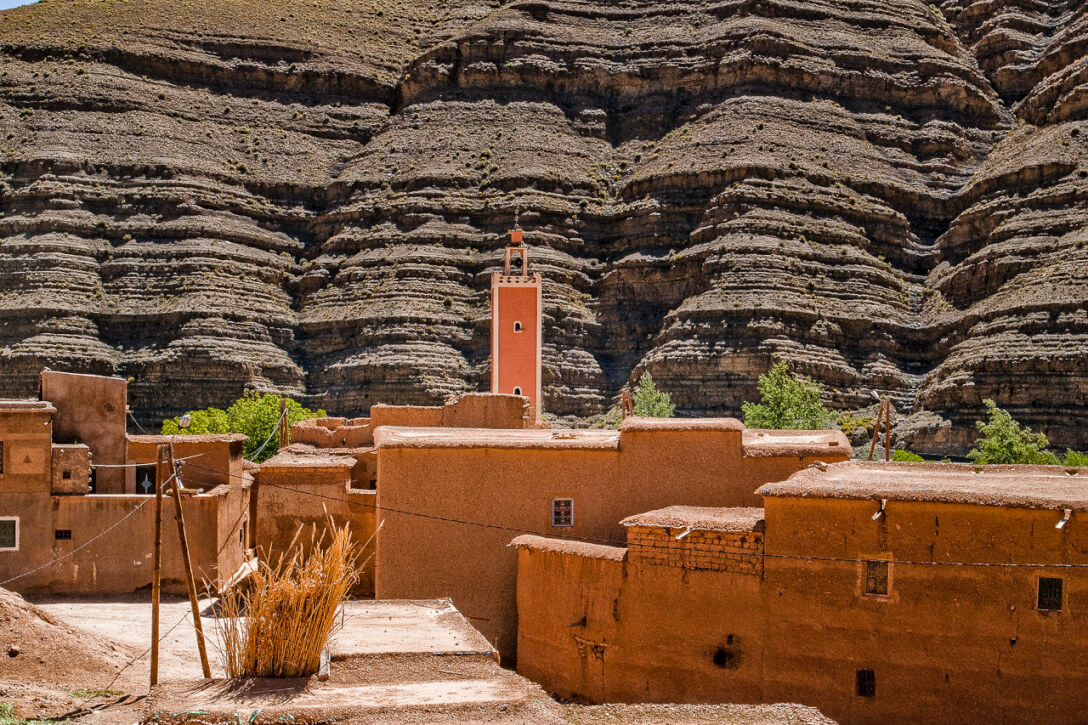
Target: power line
625,544
85,544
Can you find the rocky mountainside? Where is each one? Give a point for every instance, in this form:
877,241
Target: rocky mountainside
311,196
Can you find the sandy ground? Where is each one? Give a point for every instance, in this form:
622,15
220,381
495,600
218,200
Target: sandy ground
393,662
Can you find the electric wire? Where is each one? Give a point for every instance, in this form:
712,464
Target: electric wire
84,545
625,544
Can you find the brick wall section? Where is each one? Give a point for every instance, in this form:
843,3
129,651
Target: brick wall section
737,552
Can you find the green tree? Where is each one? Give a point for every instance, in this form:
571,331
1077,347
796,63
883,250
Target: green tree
787,402
1006,441
1075,458
650,402
254,414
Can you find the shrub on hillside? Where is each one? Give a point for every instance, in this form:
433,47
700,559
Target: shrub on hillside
787,402
1006,441
649,401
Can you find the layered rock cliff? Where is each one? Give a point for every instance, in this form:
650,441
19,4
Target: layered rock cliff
310,197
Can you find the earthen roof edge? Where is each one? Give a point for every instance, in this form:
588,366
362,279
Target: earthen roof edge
574,548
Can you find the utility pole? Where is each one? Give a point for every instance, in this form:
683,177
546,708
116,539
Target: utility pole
162,470
190,581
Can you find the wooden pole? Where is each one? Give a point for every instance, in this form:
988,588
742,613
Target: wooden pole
876,428
888,432
162,470
190,581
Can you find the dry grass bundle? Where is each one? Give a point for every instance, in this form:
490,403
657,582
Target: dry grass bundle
280,624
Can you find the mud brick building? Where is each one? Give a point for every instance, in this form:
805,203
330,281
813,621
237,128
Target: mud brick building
69,474
875,592
450,500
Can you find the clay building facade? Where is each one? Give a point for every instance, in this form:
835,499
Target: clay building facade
875,592
61,532
451,500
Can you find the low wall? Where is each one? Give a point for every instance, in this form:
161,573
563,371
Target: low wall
671,623
290,495
120,561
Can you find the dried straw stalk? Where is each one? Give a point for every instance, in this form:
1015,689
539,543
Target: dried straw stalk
280,624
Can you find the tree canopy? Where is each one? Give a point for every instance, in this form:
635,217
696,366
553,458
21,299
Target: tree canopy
1006,441
255,414
787,402
649,401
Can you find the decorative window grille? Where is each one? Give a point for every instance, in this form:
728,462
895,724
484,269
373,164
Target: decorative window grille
866,683
876,577
1050,594
563,512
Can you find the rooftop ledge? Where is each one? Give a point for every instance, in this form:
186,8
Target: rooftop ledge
510,438
574,548
700,518
1031,487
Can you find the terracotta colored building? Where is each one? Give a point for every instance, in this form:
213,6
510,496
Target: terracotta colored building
875,592
451,500
61,532
331,468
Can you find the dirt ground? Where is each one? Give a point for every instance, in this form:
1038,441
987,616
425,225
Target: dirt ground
393,662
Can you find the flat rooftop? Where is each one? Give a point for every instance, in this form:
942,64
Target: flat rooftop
20,405
538,438
701,518
189,438
1033,487
801,443
299,459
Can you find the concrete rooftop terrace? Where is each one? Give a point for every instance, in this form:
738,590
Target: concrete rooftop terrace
1033,487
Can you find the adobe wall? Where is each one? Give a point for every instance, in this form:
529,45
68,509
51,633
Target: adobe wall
333,432
121,560
284,503
664,621
91,409
195,454
71,470
654,464
949,643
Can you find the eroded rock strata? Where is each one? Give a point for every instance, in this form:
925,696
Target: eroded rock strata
891,195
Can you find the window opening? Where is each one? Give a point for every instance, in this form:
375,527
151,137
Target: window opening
67,475
517,390
9,533
866,683
62,534
563,512
518,327
876,577
1050,594
145,479
1,457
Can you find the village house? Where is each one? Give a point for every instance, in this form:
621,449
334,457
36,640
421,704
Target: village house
876,592
450,500
69,473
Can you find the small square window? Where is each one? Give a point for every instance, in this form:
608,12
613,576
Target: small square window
876,577
9,534
563,512
66,475
866,683
1050,594
62,534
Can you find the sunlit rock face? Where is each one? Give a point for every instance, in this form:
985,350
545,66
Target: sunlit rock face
310,197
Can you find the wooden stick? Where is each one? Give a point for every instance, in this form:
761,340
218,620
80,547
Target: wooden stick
876,429
888,432
162,469
285,431
190,581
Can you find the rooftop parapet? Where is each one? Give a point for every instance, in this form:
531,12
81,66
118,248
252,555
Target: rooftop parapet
1031,487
